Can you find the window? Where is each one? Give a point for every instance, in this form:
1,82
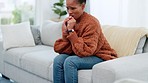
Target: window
16,11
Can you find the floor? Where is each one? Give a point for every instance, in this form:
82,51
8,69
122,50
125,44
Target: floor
3,80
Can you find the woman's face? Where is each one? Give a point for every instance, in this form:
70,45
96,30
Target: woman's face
74,8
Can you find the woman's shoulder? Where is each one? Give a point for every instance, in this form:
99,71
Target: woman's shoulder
89,22
90,19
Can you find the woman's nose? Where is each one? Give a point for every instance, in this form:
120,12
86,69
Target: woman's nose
69,11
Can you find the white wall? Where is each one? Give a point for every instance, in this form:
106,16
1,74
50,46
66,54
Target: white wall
138,13
105,10
121,12
44,10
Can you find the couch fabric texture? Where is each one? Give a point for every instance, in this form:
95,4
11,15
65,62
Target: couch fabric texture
33,64
129,81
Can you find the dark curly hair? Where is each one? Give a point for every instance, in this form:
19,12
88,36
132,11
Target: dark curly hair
81,1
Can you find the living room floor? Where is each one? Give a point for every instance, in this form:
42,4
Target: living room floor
3,80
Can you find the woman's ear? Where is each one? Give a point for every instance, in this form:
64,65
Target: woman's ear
83,6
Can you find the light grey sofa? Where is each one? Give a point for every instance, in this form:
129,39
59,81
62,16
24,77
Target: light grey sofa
34,64
129,81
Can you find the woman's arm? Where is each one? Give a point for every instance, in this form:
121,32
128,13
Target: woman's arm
87,44
63,45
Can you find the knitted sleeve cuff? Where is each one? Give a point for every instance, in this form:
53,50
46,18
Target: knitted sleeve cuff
72,37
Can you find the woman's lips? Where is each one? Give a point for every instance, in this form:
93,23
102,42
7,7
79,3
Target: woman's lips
71,15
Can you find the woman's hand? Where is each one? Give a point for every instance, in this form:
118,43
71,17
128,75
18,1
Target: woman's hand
68,24
64,30
71,23
64,27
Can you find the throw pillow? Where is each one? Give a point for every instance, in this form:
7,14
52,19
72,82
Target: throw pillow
50,32
36,34
140,46
146,46
17,35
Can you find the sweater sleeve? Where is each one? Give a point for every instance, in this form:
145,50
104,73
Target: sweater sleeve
86,44
63,46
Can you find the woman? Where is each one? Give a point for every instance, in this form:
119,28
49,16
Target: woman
82,46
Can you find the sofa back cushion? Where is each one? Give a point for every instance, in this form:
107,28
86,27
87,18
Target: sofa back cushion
124,40
50,32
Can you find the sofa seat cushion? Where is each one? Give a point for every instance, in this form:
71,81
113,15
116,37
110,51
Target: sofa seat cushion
39,63
13,56
36,60
84,76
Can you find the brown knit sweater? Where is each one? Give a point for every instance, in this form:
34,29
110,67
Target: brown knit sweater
86,40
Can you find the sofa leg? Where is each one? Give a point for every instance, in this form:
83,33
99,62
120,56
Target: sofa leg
5,77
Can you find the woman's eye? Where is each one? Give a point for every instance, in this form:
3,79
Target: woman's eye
72,8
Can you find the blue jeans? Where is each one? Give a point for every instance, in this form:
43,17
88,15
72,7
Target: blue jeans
65,67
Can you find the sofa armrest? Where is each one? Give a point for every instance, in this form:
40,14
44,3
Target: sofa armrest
1,58
134,67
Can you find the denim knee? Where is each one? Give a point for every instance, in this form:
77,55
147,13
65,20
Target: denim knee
71,61
60,59
70,70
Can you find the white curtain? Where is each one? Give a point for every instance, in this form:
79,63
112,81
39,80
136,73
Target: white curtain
43,11
132,13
